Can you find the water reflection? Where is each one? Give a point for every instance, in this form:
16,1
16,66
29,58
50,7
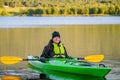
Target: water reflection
54,75
79,40
11,78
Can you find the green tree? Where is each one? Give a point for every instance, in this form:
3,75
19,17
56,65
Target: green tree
117,10
112,9
61,11
44,11
106,9
49,11
56,10
100,10
39,11
31,12
52,10
12,4
79,11
27,3
72,10
93,10
85,10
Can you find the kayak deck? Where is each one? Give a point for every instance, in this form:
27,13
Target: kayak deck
70,66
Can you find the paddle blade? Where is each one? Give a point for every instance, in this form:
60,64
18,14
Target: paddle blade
10,59
94,58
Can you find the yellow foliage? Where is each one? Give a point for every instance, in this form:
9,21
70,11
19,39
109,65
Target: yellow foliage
12,9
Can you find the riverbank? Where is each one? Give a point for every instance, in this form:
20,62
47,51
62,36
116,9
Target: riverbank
32,11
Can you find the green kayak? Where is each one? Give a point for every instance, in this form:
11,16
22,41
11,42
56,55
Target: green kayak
57,75
71,66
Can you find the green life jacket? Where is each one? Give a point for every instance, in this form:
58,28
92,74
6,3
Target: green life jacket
59,50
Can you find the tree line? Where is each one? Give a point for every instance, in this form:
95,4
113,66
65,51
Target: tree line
61,7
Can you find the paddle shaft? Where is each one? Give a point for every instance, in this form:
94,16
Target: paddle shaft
79,59
30,59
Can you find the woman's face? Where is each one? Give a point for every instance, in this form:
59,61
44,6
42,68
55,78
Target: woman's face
56,40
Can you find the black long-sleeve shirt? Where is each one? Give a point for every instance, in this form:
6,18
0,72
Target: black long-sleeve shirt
48,53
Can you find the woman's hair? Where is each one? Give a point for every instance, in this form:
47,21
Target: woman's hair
50,44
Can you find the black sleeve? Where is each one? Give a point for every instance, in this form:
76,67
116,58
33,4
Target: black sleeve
66,55
46,52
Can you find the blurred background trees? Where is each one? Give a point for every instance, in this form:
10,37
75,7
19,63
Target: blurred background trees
63,7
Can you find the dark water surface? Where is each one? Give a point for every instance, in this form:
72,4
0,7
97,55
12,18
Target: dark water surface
31,74
82,36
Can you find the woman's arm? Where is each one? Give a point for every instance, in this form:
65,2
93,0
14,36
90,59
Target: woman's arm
46,52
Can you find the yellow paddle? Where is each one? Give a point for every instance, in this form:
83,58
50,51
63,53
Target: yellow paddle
93,58
13,60
10,59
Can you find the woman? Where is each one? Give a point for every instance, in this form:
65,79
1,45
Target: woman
55,48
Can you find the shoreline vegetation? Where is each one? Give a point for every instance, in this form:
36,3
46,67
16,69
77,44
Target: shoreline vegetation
59,7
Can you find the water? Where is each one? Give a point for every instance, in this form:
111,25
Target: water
82,36
8,22
31,74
